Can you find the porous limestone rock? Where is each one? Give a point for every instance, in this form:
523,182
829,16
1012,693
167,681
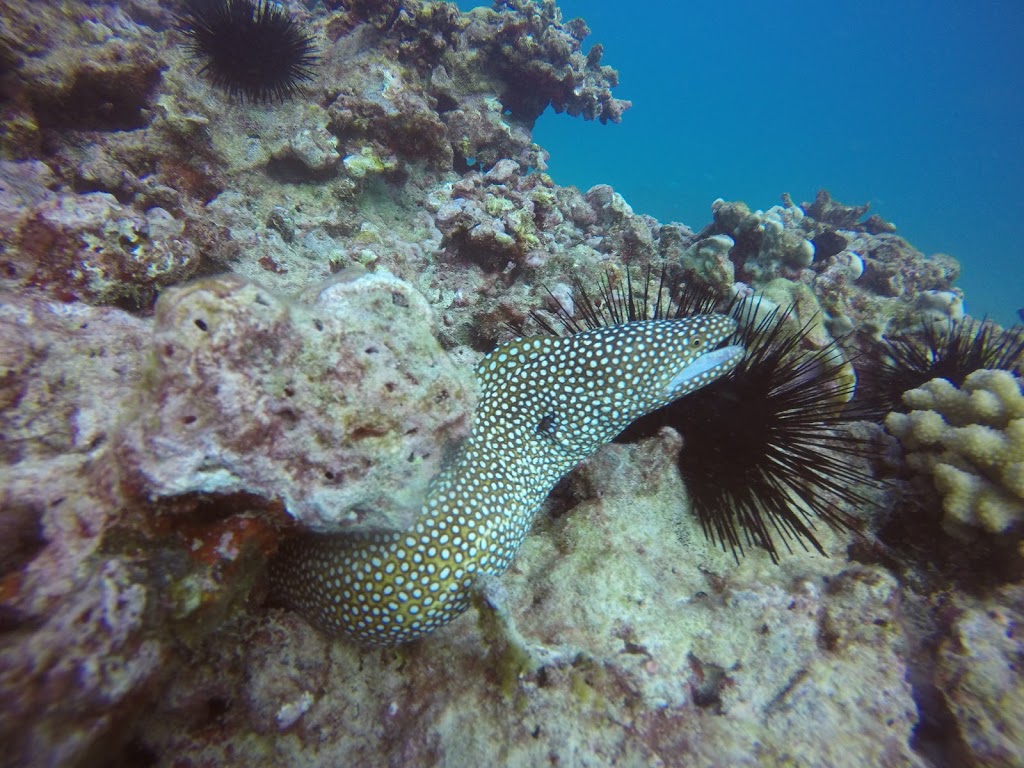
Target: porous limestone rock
980,676
93,600
340,408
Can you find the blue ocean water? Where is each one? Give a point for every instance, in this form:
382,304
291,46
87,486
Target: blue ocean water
917,107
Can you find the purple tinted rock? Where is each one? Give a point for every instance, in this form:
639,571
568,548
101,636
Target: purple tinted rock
341,408
77,651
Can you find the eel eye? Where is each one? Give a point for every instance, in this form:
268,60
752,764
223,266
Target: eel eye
548,425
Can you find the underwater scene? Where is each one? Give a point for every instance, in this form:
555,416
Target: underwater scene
385,383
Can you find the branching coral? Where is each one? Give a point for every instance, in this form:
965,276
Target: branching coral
971,441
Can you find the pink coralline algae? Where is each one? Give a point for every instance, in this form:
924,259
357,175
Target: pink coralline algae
86,246
339,408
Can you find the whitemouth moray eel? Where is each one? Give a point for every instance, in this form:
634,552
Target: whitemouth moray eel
546,403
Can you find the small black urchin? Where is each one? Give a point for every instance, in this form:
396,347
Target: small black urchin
251,48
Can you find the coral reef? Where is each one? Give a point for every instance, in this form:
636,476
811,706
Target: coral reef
424,85
970,440
87,246
99,584
648,648
539,62
356,249
863,276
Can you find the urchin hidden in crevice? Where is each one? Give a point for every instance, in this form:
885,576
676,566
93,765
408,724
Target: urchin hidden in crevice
764,449
250,48
950,351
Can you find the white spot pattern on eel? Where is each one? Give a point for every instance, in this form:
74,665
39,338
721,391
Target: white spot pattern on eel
546,404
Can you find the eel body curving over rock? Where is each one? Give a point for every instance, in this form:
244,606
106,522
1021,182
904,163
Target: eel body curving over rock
546,404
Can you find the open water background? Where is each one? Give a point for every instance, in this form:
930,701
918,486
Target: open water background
917,107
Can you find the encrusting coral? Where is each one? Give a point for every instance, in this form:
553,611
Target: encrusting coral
971,441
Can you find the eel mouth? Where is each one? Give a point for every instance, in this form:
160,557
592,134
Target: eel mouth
708,366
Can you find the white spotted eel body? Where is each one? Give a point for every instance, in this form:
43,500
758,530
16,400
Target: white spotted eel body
546,403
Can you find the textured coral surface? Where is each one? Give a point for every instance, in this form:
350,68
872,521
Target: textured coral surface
971,441
221,321
340,408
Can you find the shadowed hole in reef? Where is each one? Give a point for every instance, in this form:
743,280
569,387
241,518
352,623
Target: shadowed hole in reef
936,735
707,684
135,754
100,100
201,508
21,536
21,539
291,170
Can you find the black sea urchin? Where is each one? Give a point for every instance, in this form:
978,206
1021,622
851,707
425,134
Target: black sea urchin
612,306
764,451
948,351
251,48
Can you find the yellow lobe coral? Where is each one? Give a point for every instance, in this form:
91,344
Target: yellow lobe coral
959,489
984,446
971,441
929,394
928,427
